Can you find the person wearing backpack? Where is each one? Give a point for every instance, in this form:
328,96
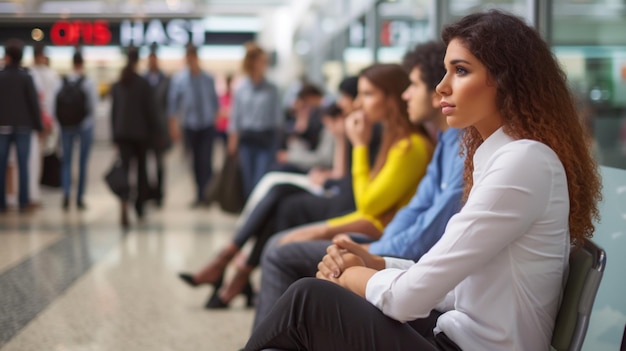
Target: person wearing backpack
75,106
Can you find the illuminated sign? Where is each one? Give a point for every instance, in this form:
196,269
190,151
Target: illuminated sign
73,32
174,32
80,32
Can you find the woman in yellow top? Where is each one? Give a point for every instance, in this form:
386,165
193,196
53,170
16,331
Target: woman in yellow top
379,191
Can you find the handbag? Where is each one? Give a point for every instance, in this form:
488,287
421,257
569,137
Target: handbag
227,187
117,180
51,171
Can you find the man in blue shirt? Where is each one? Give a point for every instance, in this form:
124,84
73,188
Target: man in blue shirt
416,227
193,103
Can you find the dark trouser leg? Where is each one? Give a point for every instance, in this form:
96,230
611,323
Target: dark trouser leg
86,140
263,211
67,140
143,188
126,155
283,265
160,174
246,164
205,159
306,208
263,159
5,145
193,142
318,315
22,146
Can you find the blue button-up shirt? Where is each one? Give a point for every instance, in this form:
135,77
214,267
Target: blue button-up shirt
256,107
193,99
420,224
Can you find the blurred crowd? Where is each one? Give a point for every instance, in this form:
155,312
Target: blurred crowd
427,197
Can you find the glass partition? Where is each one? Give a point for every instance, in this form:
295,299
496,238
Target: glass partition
588,38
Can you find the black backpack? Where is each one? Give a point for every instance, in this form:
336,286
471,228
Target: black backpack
71,103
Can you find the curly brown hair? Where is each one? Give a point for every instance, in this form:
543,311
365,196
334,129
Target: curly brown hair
535,102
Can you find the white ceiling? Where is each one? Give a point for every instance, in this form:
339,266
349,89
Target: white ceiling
28,8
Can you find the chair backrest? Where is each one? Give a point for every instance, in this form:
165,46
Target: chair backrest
586,266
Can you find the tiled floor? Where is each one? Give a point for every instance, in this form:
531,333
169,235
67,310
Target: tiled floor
76,281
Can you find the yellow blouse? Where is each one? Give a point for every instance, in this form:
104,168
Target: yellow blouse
393,187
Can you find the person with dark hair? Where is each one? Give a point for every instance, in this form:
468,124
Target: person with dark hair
255,119
259,217
193,104
160,84
306,143
379,191
75,104
416,227
134,125
19,116
494,279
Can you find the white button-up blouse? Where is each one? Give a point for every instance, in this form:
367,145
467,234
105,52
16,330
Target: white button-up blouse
498,269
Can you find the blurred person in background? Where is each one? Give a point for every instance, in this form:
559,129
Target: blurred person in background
135,122
19,116
417,226
255,120
193,104
75,106
223,115
259,217
379,191
161,142
303,135
494,280
46,82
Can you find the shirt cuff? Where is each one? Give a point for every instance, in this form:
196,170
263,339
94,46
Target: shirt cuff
377,290
399,263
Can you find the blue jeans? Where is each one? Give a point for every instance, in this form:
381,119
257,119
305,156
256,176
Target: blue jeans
68,136
21,139
254,161
200,143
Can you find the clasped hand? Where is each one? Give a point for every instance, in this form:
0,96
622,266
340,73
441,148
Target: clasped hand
341,255
358,128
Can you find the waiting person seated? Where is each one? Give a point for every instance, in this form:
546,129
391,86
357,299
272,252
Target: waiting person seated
305,144
494,279
416,227
379,191
314,181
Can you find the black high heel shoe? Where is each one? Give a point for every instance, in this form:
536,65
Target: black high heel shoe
215,302
188,278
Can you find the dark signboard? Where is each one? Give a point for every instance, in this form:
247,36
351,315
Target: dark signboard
99,32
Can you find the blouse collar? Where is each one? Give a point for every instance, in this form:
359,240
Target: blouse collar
484,152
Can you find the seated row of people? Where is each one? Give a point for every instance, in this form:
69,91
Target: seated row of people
492,277
379,190
476,258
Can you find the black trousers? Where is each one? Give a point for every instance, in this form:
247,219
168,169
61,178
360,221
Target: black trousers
134,151
304,208
200,142
261,221
314,314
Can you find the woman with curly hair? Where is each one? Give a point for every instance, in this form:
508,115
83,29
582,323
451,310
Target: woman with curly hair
494,279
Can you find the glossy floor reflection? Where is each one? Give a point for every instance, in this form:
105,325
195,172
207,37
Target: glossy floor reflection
76,281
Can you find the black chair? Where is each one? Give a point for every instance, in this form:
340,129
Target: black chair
586,266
